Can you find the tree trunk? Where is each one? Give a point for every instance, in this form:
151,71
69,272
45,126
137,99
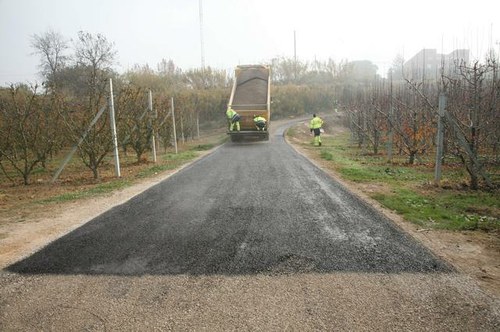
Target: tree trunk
138,155
411,157
473,175
95,172
376,141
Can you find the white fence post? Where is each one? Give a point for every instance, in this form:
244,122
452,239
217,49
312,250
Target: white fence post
153,141
113,128
173,122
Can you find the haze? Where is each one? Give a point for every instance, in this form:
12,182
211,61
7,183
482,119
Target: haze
242,32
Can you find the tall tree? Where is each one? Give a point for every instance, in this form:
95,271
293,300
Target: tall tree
51,46
94,56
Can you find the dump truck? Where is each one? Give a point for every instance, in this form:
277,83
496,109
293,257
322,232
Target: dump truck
251,96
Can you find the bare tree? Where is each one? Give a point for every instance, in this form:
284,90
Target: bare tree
94,56
186,113
134,120
415,121
474,114
377,123
287,70
164,124
206,78
25,135
51,47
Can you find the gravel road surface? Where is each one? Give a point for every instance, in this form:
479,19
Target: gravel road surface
251,237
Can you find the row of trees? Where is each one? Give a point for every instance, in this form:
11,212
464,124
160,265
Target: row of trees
403,115
38,122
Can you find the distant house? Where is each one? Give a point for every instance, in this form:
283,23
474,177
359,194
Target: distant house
428,64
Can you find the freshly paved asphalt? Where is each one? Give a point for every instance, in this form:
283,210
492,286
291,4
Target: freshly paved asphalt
247,208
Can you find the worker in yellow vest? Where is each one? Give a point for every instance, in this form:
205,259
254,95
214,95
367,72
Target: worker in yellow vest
233,118
315,126
260,122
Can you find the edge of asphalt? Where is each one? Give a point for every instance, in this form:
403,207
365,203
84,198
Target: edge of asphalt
52,228
397,220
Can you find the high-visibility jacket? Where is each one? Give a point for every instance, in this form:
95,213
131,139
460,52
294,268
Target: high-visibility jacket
232,116
316,123
230,113
259,119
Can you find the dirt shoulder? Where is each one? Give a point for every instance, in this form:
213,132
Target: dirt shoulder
474,253
24,232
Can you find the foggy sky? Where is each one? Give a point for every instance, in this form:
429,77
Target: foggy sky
251,31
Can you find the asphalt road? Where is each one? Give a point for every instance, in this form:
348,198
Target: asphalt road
251,237
247,208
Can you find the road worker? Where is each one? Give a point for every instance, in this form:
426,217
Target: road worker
315,126
233,118
260,122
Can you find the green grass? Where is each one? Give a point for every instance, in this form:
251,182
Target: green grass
327,155
184,155
376,173
407,188
153,170
203,147
38,171
291,132
99,189
168,162
454,211
78,182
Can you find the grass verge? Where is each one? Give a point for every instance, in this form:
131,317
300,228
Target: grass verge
97,190
407,189
131,172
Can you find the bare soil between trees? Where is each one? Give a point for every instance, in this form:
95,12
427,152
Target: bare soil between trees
25,229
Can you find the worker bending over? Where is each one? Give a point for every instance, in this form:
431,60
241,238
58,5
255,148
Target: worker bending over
260,122
233,118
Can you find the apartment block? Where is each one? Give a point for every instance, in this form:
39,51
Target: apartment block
428,64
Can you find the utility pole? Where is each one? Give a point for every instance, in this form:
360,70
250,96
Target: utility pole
439,139
201,35
294,55
498,54
423,70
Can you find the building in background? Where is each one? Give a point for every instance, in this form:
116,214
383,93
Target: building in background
428,64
